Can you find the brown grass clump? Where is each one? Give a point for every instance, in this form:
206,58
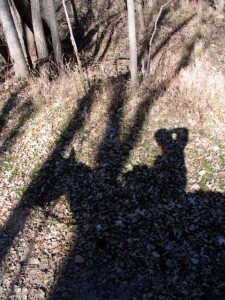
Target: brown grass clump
57,91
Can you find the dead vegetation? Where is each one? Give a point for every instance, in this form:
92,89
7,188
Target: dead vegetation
106,195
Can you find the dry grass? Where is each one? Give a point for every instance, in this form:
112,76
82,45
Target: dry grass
58,91
191,97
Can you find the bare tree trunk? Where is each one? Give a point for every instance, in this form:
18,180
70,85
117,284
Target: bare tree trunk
41,45
18,25
25,35
40,41
29,44
141,14
132,42
153,35
23,7
21,69
49,9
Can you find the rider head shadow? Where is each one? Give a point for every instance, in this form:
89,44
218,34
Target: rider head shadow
167,175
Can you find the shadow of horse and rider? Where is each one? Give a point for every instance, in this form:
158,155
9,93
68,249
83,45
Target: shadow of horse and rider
139,232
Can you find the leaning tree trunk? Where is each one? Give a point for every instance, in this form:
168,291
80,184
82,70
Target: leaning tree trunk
49,9
40,41
24,33
23,10
23,7
132,42
15,49
29,43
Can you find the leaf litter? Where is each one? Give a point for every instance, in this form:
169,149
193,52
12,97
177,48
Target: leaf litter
150,226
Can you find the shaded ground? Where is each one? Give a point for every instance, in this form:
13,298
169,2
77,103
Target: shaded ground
135,233
95,208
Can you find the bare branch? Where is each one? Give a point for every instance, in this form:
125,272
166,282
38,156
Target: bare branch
153,34
75,46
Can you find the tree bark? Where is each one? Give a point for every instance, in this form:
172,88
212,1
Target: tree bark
41,45
132,42
49,9
23,8
15,49
140,14
24,33
29,43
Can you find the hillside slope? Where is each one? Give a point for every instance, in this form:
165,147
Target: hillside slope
113,195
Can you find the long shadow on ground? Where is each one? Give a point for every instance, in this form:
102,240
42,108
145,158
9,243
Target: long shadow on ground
8,106
25,112
47,185
138,232
13,112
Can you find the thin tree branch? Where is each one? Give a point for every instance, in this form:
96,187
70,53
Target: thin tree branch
153,34
75,47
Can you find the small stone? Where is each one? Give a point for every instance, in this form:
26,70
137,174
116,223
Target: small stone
221,240
195,261
202,173
169,263
79,259
155,254
24,293
195,186
118,222
216,148
98,227
34,261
